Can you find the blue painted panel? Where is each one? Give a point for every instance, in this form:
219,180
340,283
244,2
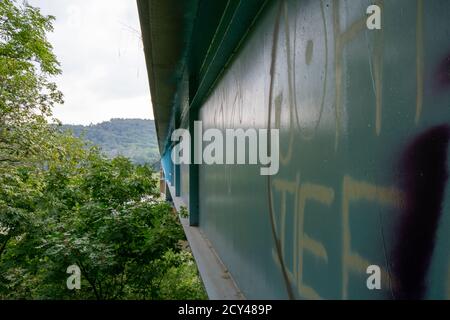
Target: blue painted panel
168,167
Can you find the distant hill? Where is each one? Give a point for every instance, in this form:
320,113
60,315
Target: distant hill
132,138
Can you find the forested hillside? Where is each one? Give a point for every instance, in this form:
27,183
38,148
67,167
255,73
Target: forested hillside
132,138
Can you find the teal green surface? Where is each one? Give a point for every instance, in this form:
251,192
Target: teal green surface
348,102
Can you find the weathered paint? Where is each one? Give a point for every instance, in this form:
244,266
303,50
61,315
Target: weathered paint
364,121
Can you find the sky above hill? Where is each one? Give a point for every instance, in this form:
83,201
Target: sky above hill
99,46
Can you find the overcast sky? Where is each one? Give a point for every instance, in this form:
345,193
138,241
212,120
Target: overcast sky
99,47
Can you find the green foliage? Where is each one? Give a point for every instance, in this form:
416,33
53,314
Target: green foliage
180,266
62,202
184,213
132,138
26,93
102,215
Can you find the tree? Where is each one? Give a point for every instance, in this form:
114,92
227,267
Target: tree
102,215
62,202
27,95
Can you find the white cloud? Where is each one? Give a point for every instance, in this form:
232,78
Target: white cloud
98,44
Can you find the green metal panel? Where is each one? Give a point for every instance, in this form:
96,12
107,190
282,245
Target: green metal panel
193,175
177,173
363,118
364,121
185,184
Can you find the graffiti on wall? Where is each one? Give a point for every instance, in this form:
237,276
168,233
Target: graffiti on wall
416,196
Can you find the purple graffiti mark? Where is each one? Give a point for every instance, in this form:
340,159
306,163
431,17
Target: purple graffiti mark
443,74
423,177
